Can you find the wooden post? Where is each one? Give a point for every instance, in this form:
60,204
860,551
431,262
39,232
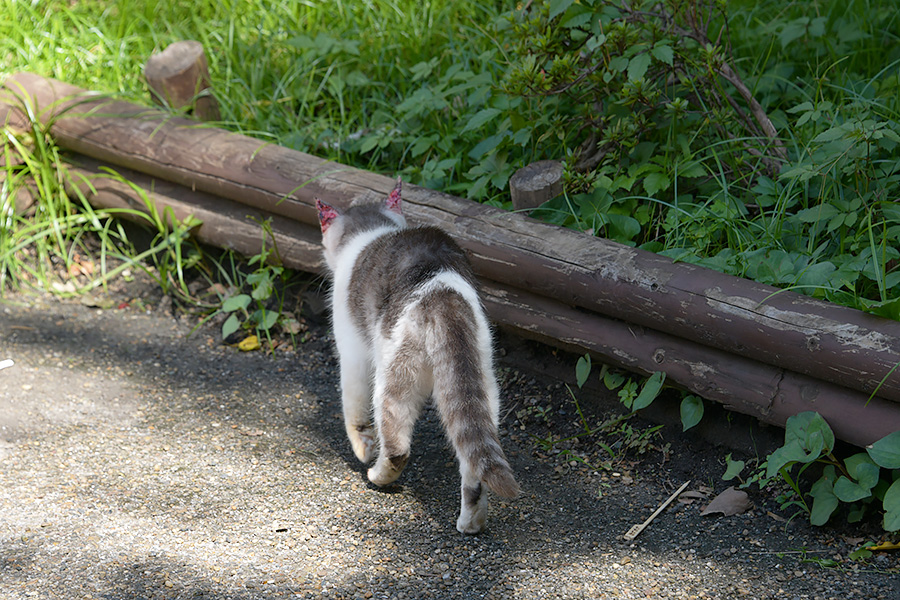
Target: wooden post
179,77
534,184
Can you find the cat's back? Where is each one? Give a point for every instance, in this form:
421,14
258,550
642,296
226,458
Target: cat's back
390,270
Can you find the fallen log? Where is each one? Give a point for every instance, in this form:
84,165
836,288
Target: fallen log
768,393
224,224
829,342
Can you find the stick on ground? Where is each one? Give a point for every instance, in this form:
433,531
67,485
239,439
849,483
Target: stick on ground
637,529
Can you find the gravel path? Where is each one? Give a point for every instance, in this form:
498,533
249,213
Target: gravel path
137,461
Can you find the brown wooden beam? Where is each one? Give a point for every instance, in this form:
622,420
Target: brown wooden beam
225,224
769,393
823,340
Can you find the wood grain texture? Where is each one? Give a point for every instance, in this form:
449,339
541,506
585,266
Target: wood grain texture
178,77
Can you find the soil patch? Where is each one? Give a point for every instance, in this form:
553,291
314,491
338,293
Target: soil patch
140,460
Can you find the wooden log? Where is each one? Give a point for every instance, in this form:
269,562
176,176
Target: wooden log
819,339
768,393
225,224
178,77
771,394
534,184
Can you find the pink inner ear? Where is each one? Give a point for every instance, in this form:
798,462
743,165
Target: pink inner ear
327,214
393,200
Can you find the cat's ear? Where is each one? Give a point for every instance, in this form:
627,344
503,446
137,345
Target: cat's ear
393,200
327,214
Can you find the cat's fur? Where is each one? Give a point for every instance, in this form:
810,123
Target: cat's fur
409,324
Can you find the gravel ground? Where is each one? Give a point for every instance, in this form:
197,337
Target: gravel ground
138,461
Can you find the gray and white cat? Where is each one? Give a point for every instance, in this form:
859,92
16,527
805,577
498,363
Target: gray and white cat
409,324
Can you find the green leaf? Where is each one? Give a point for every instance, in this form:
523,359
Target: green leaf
486,145
370,143
650,391
618,63
577,20
691,412
807,437
733,468
886,451
791,452
861,468
656,182
814,214
793,30
892,507
663,53
813,433
623,227
264,285
622,182
267,319
557,7
830,135
802,107
480,118
638,65
230,325
862,553
824,501
582,369
237,302
850,491
613,380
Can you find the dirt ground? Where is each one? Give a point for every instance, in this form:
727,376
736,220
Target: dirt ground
140,460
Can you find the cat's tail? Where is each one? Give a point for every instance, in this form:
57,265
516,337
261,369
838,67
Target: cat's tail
465,391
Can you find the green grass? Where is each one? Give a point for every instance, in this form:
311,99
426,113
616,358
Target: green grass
427,90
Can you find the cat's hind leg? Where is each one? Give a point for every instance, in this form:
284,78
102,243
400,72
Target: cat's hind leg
473,510
401,388
356,396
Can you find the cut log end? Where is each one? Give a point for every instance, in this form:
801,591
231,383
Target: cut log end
178,77
534,184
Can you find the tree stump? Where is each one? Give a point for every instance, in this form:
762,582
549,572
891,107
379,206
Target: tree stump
179,77
534,184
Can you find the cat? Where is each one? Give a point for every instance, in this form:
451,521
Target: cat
409,325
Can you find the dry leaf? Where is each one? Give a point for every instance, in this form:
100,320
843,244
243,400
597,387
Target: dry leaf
885,546
692,495
730,502
219,290
80,267
249,343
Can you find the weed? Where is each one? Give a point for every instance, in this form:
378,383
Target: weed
861,481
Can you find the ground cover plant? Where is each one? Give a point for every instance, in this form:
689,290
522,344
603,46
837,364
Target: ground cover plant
756,138
753,138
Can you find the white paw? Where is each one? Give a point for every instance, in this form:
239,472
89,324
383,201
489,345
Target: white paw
472,522
386,470
362,439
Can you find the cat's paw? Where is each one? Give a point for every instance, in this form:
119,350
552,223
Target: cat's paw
387,470
473,511
362,439
472,522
